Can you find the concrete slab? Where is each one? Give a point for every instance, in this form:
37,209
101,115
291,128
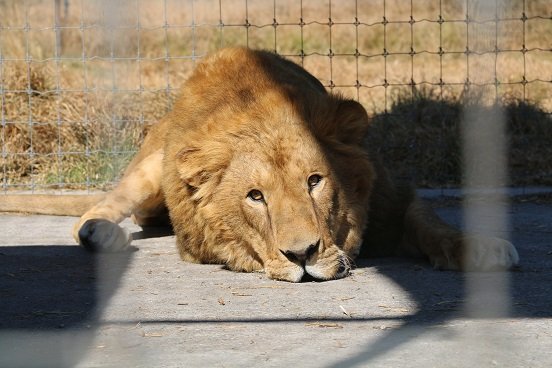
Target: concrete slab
64,307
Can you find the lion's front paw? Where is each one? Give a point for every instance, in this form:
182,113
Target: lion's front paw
488,254
335,265
99,235
285,271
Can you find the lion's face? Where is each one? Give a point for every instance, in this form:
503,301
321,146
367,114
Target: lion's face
282,189
281,201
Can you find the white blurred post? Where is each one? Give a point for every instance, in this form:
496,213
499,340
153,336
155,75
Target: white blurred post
485,206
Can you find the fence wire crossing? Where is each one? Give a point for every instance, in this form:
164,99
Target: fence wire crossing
81,81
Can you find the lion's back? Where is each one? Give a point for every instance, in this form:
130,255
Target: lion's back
237,79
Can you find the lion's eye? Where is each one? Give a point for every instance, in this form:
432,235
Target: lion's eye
314,180
256,195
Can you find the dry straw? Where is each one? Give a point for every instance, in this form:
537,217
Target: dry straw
81,81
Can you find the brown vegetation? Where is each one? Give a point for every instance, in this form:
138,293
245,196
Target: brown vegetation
74,113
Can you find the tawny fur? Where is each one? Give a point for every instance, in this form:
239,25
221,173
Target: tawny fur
261,169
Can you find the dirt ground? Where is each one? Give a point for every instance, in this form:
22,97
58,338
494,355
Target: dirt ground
63,307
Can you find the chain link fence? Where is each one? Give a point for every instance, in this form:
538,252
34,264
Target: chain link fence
81,81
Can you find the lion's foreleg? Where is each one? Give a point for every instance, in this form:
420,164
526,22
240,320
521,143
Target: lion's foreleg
97,229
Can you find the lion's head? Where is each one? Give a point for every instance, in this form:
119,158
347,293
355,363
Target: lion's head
280,186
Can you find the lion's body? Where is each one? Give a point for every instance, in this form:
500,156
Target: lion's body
261,169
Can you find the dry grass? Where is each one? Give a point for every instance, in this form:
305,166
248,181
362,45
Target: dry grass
419,140
73,115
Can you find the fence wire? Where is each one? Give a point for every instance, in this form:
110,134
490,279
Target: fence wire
81,81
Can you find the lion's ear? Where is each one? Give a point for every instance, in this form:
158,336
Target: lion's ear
351,122
201,168
187,165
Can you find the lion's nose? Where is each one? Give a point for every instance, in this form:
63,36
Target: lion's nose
303,254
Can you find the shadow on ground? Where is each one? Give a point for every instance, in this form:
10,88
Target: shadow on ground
442,295
60,289
51,297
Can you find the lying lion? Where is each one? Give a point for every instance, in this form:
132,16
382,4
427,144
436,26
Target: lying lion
260,168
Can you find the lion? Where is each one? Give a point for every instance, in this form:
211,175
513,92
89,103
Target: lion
259,168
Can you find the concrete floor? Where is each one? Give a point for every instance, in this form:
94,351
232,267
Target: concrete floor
63,307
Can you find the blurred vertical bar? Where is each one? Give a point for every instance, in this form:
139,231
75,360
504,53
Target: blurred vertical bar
3,161
59,22
484,157
119,29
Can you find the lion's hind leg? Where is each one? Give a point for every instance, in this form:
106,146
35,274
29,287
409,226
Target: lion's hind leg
449,248
138,192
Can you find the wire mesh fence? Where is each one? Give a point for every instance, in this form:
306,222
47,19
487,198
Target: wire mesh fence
81,81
